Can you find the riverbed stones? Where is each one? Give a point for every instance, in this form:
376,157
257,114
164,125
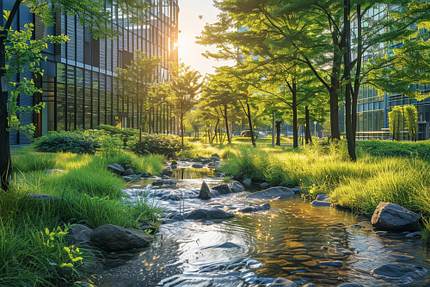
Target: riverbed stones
274,192
208,214
389,216
331,263
236,187
282,282
399,273
110,237
115,168
414,234
205,192
257,208
222,189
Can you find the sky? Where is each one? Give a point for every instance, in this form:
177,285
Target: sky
191,26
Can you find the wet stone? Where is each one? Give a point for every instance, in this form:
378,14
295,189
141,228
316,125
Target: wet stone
331,263
302,257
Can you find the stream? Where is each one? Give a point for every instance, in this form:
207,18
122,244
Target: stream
288,241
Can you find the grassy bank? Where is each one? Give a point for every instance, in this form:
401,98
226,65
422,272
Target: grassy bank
323,168
33,248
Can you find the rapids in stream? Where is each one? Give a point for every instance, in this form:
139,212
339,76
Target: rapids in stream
288,241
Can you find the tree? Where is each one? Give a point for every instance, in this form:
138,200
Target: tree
220,94
395,119
411,119
186,85
136,78
91,14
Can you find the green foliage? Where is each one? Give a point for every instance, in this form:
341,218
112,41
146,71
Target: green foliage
396,149
167,145
411,120
75,142
24,53
395,118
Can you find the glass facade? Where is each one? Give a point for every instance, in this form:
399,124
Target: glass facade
80,81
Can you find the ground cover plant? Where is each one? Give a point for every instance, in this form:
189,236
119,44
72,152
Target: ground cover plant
33,248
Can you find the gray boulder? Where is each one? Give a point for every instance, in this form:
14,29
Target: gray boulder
222,189
145,174
323,197
166,172
214,164
110,237
116,168
79,233
279,191
215,156
389,216
236,187
399,273
257,208
208,214
128,172
205,192
247,181
53,171
317,203
197,165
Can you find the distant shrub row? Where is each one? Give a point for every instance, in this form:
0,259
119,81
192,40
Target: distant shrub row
109,141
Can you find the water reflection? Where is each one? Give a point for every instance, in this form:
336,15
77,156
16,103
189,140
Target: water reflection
291,241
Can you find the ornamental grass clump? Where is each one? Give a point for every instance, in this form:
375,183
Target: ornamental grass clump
27,161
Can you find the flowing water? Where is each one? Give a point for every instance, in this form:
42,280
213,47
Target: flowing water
289,241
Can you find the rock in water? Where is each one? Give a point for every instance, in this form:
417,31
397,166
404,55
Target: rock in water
128,172
399,273
279,191
116,238
389,216
208,214
223,189
205,192
116,168
236,187
281,282
257,208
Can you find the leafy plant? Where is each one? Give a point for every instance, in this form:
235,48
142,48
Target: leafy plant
167,145
75,142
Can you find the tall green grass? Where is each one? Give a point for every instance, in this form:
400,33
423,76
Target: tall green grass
359,186
33,251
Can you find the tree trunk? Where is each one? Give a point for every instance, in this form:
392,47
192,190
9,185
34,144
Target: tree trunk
182,130
347,61
248,115
5,161
357,75
278,132
308,138
295,122
226,125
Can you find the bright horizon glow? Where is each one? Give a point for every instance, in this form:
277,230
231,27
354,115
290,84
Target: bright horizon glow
191,26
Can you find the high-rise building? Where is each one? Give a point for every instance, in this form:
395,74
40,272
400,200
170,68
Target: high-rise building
373,108
80,85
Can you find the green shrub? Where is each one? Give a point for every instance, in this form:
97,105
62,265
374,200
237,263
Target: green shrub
74,142
167,145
